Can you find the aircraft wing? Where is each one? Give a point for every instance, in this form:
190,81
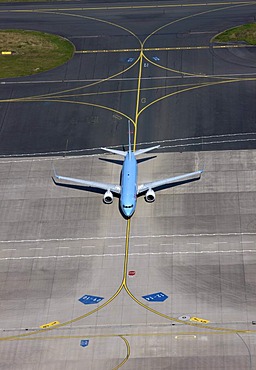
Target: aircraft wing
171,180
93,184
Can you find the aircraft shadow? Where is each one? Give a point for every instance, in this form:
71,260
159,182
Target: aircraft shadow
120,162
79,187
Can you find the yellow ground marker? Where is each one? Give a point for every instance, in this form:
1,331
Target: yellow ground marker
197,319
6,52
45,326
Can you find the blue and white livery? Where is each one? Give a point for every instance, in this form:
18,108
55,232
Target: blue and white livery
129,190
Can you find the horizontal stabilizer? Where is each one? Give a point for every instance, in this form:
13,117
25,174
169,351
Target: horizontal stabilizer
114,151
141,151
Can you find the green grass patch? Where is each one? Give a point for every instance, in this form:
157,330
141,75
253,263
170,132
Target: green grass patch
32,52
246,32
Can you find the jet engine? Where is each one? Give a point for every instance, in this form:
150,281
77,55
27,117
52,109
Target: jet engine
108,197
150,196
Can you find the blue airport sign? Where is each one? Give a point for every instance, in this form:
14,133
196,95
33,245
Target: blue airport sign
156,59
84,342
90,299
155,297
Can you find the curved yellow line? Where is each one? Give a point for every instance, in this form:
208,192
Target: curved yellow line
81,103
128,352
104,79
40,331
180,20
192,16
25,100
120,288
207,84
171,69
91,84
189,323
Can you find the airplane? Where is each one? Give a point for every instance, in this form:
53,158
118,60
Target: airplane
129,190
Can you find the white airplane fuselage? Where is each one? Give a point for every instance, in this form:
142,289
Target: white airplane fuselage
128,195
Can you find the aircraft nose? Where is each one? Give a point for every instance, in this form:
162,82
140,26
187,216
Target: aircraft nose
128,212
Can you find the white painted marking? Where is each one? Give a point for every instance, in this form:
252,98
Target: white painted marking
88,246
63,247
202,138
9,249
114,245
123,237
35,248
140,245
248,242
130,255
194,243
220,242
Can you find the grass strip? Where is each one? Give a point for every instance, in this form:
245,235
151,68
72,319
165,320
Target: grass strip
246,33
32,52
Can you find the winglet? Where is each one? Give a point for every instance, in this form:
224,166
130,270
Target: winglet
55,172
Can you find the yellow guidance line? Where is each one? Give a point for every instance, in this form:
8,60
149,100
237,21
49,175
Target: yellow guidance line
138,100
120,288
135,335
167,48
128,352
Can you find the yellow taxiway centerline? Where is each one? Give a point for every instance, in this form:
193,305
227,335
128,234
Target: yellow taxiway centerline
167,48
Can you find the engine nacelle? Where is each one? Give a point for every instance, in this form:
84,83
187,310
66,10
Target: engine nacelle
108,197
150,196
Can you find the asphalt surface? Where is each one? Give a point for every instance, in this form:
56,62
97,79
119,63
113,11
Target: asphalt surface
193,248
202,93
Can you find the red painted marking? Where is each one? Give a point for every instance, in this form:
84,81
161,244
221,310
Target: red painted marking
131,273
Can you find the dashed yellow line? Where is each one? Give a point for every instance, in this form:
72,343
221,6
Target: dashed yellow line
168,48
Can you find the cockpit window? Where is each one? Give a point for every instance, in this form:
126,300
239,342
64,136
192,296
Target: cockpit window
127,206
